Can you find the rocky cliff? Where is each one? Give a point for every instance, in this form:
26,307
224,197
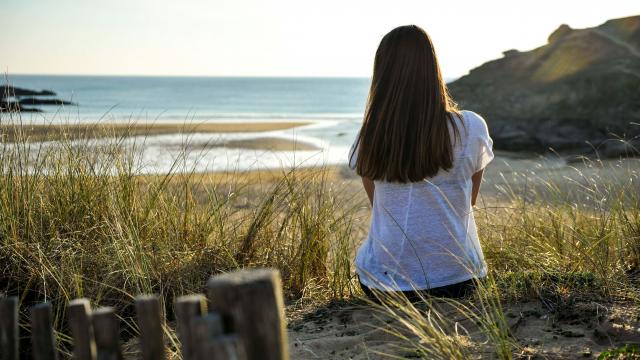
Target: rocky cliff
581,88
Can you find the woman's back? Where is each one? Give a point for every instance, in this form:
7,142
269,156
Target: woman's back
423,234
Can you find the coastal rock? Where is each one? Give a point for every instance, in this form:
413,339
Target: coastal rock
36,101
563,30
516,138
7,91
12,99
12,106
619,148
570,95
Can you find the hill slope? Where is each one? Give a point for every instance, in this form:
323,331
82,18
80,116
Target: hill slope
583,85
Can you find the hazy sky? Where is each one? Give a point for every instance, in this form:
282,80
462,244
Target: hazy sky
271,38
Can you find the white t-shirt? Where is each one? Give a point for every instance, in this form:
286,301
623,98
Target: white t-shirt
423,234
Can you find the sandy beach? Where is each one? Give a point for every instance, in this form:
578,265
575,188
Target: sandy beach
356,330
261,143
9,133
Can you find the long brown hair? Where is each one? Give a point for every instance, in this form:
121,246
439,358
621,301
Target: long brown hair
405,134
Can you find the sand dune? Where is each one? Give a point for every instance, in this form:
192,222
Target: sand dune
358,331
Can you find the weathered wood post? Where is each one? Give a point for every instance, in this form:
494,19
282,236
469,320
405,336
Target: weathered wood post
42,336
188,308
227,347
79,316
9,337
204,330
149,316
252,301
106,330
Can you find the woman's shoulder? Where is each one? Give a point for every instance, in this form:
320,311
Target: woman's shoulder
475,122
472,117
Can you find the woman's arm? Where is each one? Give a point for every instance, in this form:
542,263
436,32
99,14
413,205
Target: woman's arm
476,180
369,186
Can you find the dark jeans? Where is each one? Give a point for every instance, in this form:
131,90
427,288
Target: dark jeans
453,291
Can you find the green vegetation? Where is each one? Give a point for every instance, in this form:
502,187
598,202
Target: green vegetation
628,352
78,220
82,221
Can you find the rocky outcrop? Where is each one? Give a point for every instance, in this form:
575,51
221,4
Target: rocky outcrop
36,101
7,91
11,106
14,99
571,95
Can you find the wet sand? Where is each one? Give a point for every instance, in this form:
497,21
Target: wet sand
34,133
261,143
58,132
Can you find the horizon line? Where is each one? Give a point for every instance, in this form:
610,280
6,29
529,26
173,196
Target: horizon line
6,75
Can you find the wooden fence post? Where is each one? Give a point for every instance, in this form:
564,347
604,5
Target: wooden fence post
42,336
227,347
205,329
252,300
188,308
79,317
106,329
149,316
9,337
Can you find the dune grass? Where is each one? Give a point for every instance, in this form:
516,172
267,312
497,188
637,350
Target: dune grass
80,220
556,240
577,235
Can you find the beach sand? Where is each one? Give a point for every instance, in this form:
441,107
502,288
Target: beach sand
260,143
355,330
9,133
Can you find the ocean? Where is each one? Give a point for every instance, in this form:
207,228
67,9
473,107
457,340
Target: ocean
332,107
205,98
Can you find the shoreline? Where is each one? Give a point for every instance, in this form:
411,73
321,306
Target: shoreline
59,132
43,132
270,143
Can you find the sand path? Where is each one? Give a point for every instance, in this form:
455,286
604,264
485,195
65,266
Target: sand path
357,331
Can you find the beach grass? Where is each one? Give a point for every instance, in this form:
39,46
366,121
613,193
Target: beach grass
80,220
561,241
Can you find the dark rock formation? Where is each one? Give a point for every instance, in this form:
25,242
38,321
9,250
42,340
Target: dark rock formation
12,99
7,91
572,94
12,106
36,101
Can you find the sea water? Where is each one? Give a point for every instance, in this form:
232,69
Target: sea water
331,107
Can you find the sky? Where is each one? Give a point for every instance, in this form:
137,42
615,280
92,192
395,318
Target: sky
271,38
